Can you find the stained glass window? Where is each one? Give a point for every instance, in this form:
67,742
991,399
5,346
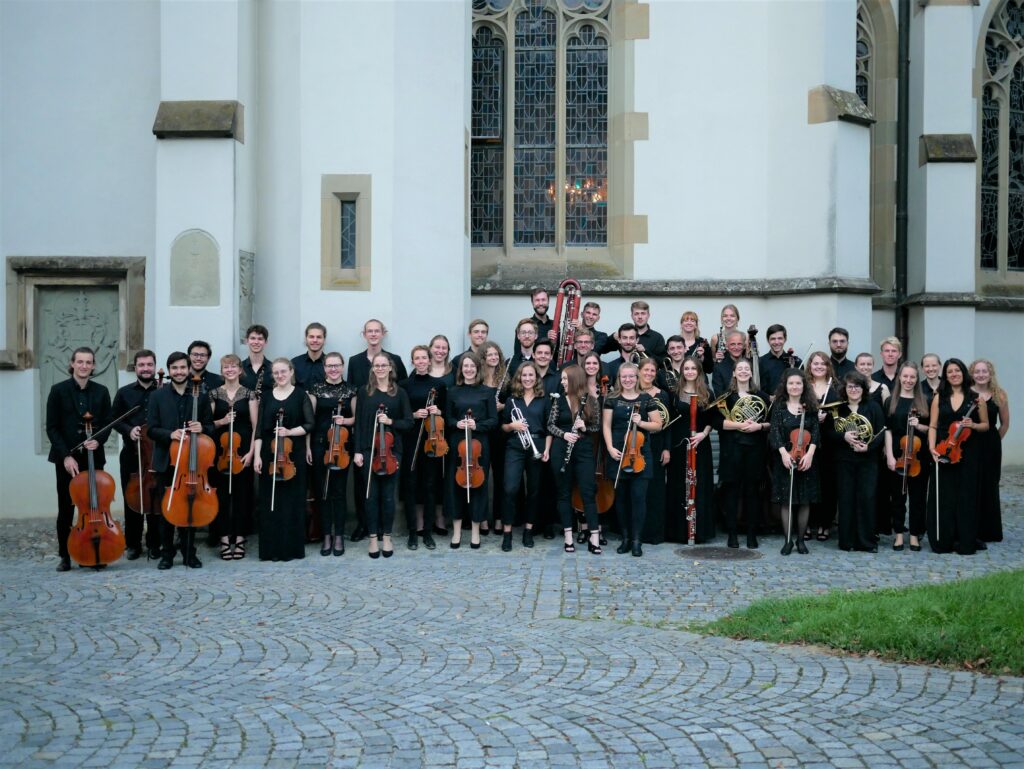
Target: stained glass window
348,234
530,100
865,46
1001,193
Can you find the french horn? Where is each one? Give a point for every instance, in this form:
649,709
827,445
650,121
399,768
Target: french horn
748,407
856,423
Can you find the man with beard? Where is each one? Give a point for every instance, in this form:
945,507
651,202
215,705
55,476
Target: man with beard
128,397
838,343
545,325
309,367
626,336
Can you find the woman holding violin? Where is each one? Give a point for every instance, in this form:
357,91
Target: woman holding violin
953,492
597,389
426,447
994,397
496,375
382,415
234,409
825,391
572,421
334,405
742,451
471,414
524,421
856,436
793,438
908,462
281,450
629,416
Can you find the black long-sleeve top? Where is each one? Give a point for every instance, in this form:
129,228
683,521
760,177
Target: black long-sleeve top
418,387
653,344
772,367
843,451
127,398
536,414
169,411
395,406
561,417
480,399
721,376
258,380
307,371
359,367
65,406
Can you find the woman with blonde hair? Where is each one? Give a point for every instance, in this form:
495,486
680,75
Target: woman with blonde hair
990,445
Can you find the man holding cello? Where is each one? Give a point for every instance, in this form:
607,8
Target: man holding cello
170,413
66,404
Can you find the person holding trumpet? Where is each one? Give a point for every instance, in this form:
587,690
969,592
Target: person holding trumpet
524,420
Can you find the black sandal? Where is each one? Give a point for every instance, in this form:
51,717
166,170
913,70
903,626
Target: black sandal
569,547
225,550
239,552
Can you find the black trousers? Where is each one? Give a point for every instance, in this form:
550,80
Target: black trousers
856,484
517,462
631,505
380,505
65,508
580,471
334,509
421,483
917,493
135,521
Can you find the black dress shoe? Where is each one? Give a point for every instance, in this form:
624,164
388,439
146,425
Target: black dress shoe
358,534
326,549
154,554
896,547
65,564
428,541
374,554
193,562
623,547
133,554
506,542
752,543
441,531
412,544
338,550
474,545
734,541
915,548
602,540
166,562
455,545
787,548
801,547
582,536
638,550
485,532
528,537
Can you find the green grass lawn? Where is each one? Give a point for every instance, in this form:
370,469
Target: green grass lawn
974,624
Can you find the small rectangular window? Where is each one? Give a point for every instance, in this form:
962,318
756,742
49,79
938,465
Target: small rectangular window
348,234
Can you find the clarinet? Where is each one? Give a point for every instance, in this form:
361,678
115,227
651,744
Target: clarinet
579,413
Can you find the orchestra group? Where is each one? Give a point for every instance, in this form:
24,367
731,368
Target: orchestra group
573,424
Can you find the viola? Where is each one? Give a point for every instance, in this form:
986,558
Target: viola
950,449
190,499
908,464
96,539
383,461
337,455
435,444
799,440
469,474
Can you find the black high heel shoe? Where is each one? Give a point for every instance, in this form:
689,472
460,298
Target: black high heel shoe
801,547
582,536
594,549
787,548
325,550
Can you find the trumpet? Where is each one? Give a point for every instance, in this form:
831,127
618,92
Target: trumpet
525,438
570,298
748,408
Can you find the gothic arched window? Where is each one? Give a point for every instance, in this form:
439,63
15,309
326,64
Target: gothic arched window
1001,174
539,157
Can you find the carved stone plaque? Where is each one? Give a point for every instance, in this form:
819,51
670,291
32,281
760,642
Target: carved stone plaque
69,318
195,270
246,284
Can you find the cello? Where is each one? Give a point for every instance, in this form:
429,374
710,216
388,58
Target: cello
196,504
96,539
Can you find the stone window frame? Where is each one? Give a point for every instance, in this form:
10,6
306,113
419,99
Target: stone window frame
627,21
26,275
999,279
335,188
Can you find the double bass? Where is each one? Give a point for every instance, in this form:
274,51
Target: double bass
190,500
96,539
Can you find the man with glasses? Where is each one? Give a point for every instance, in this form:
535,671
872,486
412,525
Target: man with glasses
198,357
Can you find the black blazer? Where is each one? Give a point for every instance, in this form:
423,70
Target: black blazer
65,428
168,411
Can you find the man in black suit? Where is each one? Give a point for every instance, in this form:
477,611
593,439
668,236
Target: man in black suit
66,404
170,412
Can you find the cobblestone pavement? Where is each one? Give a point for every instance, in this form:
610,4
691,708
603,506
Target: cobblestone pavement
473,659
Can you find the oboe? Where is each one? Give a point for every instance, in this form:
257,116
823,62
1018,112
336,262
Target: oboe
579,415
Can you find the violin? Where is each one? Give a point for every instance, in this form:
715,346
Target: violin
142,482
632,460
383,460
469,474
799,440
435,445
908,464
284,467
337,456
190,499
96,539
229,459
950,449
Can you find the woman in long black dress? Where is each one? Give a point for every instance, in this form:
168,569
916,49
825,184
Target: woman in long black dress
524,423
283,503
597,389
742,452
856,437
986,386
825,391
469,395
573,419
330,482
655,523
907,412
794,405
623,406
692,384
494,375
233,403
953,494
384,403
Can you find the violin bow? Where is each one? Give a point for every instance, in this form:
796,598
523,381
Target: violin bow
632,427
177,460
106,427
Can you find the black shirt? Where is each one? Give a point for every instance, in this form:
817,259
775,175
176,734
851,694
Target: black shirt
308,371
722,376
257,381
397,408
880,376
536,415
66,404
169,411
543,327
359,368
773,366
841,368
125,400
